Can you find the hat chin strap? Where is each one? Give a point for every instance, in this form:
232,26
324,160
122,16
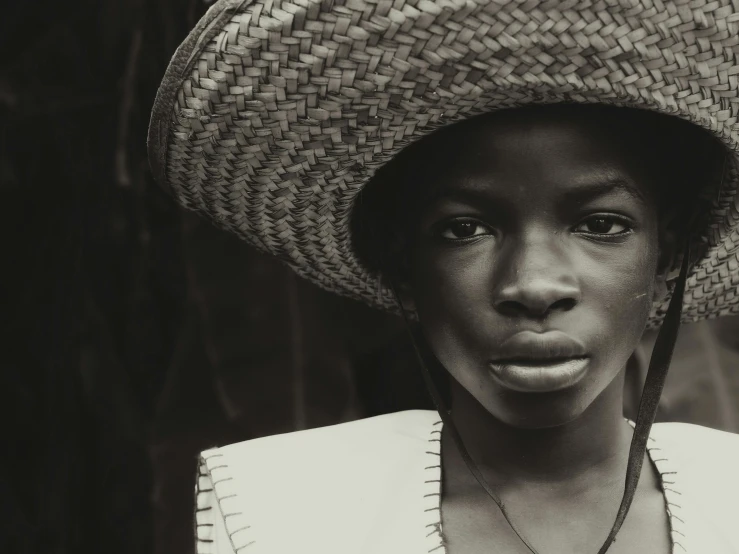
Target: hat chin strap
659,364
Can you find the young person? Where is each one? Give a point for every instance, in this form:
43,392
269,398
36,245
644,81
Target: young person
530,187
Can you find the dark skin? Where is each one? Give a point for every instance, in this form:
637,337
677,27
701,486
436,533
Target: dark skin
543,224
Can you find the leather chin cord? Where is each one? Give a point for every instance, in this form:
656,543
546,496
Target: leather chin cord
655,380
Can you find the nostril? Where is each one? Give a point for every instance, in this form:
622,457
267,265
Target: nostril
511,308
563,304
535,309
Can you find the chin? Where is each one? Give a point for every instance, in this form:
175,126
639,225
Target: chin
539,410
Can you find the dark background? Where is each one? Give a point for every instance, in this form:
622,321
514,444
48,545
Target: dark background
136,335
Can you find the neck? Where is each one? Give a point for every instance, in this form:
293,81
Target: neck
593,445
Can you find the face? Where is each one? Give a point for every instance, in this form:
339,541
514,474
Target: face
534,264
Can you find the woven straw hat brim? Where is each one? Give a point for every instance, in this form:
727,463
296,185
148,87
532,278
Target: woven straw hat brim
273,114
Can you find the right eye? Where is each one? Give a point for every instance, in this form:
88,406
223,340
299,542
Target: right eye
460,229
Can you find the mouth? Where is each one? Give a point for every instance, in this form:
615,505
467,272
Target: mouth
539,375
540,362
550,345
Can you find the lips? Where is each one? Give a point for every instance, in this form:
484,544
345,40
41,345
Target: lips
529,346
540,362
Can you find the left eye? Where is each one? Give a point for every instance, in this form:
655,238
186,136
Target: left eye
602,225
463,229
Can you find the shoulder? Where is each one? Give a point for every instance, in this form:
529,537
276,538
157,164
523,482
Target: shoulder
361,455
706,457
328,459
356,475
699,468
699,447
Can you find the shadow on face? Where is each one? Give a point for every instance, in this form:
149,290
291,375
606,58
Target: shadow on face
532,245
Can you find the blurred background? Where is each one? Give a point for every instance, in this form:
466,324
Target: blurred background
136,335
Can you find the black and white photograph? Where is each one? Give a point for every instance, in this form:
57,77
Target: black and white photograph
370,276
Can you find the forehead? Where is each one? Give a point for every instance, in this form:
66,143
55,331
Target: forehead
540,151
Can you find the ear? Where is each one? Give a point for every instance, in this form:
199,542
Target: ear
405,296
401,281
668,252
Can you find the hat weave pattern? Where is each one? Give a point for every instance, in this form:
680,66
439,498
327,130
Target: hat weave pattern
274,114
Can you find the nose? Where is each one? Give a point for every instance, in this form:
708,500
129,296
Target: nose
538,280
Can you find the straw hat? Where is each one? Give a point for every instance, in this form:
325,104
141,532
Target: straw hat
273,114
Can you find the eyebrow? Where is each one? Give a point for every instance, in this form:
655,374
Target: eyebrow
589,190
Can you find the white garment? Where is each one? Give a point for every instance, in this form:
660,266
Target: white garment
373,487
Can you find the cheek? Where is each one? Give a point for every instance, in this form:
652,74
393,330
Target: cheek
452,293
453,284
618,291
621,283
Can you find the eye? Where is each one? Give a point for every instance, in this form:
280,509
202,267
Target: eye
463,229
606,225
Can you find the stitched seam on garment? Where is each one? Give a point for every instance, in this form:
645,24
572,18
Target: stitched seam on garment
432,493
203,517
670,487
233,521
